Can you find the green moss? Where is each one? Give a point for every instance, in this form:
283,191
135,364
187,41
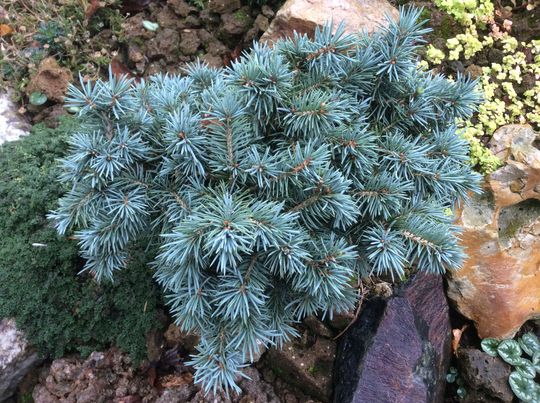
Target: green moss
446,28
241,16
59,310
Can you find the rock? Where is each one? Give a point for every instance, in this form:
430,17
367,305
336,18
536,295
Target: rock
267,11
304,15
236,23
181,7
164,44
189,42
103,377
485,377
262,23
50,79
135,54
399,348
318,327
209,18
473,71
212,60
166,18
216,48
223,6
12,125
307,366
17,358
498,285
181,393
174,336
133,28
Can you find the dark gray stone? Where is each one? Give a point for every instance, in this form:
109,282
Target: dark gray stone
399,349
485,377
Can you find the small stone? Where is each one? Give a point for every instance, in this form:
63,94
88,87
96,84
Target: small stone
223,6
262,23
164,44
209,18
236,23
181,7
474,71
267,11
205,36
189,42
135,54
192,21
217,48
212,60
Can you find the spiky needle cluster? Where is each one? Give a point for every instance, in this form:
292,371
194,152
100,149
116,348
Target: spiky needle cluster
272,182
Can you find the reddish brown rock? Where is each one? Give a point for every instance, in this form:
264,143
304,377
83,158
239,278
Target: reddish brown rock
499,284
103,377
399,349
50,79
304,15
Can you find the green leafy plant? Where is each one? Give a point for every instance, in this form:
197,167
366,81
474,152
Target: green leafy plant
271,184
59,311
453,377
524,356
51,34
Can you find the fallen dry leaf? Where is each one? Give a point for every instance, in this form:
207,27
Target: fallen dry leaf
5,30
456,337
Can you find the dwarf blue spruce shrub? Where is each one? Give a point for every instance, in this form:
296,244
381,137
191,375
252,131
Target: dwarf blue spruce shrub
270,184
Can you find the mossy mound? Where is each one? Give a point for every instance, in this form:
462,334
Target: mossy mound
60,310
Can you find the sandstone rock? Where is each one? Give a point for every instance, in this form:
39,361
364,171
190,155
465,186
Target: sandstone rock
17,358
50,79
307,366
485,377
498,286
399,348
304,15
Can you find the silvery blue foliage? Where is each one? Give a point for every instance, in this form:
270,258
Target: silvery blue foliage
270,184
